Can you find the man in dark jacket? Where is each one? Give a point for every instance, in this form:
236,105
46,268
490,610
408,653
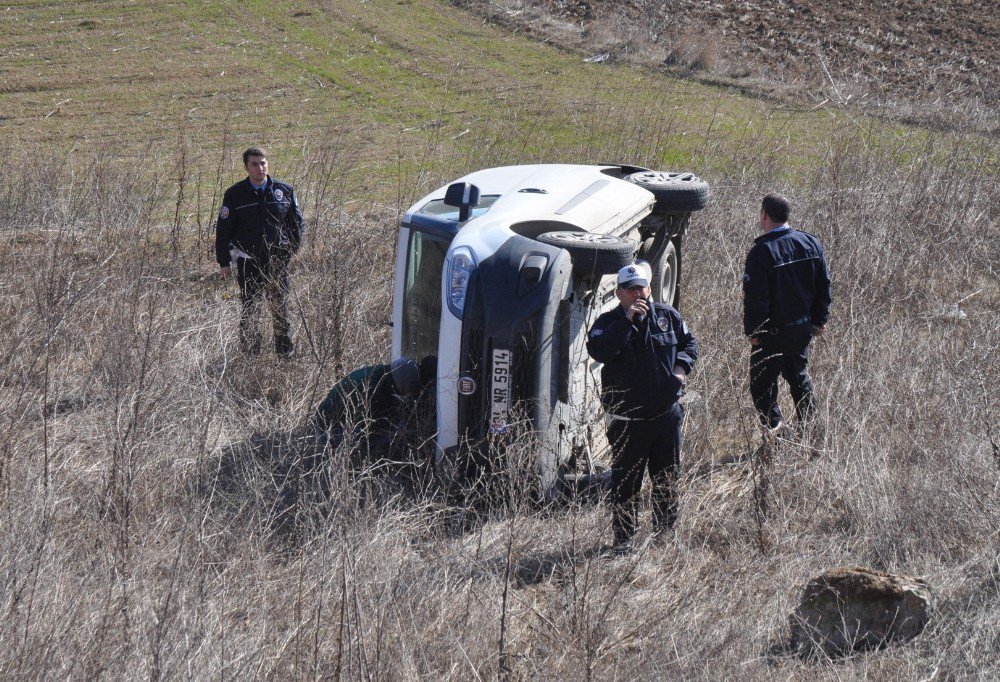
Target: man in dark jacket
786,300
260,227
371,399
647,353
371,393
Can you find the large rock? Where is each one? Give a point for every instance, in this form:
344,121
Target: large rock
849,609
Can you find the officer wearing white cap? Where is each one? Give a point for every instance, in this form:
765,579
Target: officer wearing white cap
647,352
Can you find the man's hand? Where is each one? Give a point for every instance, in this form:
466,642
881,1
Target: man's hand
225,271
640,307
818,329
754,341
680,373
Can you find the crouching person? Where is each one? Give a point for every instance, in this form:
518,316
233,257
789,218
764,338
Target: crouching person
365,408
647,352
372,402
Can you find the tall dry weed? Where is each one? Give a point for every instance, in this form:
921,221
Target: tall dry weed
121,387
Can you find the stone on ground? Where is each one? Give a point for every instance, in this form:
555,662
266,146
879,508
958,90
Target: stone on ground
852,609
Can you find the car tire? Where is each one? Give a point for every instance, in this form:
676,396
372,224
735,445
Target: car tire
593,254
674,192
665,283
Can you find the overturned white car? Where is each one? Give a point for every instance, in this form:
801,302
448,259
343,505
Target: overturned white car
500,274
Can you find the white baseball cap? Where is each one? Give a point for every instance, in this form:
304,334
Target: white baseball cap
632,275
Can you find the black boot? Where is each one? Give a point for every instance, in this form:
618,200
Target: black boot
664,502
284,347
624,523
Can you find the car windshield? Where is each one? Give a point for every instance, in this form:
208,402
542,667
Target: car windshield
422,295
437,207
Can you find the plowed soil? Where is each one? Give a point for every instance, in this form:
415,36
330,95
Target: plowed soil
932,61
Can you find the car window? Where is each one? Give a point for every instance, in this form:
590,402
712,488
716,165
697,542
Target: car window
437,207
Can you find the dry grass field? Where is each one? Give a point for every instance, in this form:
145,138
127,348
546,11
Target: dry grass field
121,384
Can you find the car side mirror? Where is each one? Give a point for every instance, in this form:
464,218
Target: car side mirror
462,195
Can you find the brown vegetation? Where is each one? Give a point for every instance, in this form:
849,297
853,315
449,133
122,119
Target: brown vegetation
120,386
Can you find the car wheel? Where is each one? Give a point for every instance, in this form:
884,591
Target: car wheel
665,283
593,254
674,192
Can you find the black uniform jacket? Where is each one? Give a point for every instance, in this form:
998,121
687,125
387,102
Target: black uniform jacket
258,222
638,374
785,282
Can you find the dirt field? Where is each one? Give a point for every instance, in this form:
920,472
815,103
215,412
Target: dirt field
912,59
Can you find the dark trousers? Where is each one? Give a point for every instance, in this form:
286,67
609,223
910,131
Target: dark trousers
258,280
653,444
787,354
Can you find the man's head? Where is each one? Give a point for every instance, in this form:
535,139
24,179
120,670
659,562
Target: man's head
405,376
774,211
633,283
255,161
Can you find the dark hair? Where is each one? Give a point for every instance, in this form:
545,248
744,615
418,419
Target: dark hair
428,370
777,207
253,151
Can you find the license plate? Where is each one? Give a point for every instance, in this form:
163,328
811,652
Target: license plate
500,391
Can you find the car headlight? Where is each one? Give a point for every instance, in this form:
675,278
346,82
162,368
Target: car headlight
461,265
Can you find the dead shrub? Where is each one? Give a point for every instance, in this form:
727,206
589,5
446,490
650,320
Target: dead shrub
694,51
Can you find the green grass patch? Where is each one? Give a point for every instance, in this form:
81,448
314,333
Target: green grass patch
401,77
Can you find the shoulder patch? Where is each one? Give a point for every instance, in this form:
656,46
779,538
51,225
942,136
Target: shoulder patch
278,194
224,212
595,332
746,276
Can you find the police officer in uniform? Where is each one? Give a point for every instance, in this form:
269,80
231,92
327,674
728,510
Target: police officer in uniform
786,300
260,227
647,352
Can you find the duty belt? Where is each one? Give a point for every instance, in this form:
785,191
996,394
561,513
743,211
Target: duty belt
794,323
620,418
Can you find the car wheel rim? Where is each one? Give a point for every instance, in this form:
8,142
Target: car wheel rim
662,177
582,237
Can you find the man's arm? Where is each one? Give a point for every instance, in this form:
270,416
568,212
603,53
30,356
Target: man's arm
608,337
820,309
224,233
687,349
293,223
756,294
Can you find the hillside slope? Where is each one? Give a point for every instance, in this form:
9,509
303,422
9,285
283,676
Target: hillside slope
387,78
114,71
